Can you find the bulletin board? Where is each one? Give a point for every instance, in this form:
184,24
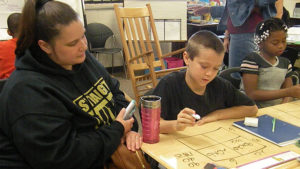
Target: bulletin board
10,6
170,17
7,7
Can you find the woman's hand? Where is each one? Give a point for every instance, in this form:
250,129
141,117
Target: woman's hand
133,140
127,124
185,119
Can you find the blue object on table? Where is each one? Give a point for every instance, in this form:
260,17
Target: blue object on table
284,134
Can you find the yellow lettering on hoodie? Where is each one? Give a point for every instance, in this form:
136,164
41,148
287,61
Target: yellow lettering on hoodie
96,116
85,107
96,92
93,98
95,101
103,88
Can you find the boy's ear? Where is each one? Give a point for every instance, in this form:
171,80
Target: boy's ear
9,33
186,58
45,46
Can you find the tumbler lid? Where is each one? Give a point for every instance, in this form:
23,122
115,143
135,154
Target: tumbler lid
151,101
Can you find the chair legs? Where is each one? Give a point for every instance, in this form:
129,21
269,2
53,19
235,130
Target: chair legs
125,70
112,63
97,56
124,64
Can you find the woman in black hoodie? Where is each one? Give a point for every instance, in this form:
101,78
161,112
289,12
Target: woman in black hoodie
60,108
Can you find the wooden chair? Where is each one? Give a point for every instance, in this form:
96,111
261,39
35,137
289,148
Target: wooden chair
140,40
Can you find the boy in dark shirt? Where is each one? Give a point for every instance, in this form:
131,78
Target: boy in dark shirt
198,90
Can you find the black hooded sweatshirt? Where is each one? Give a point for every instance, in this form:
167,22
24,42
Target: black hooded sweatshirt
56,118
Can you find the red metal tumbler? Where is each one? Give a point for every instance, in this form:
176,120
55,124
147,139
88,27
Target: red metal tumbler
150,108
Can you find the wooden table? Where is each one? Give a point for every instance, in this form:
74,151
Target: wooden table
221,143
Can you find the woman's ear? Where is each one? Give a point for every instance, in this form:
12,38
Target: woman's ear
186,58
45,46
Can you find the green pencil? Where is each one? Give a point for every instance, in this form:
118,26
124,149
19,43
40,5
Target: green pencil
273,122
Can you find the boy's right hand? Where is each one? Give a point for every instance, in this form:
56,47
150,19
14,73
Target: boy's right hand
185,119
127,124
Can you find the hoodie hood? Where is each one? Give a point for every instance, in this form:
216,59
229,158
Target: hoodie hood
40,62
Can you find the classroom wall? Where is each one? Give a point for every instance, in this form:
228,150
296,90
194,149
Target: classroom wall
163,9
290,5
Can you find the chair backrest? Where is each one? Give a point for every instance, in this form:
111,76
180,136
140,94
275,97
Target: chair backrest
136,40
2,82
227,74
97,34
140,41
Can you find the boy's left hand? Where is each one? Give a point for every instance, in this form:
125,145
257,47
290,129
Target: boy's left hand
133,140
206,119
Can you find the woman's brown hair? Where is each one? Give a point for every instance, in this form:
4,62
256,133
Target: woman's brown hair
40,20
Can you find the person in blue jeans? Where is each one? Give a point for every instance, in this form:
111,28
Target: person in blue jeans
239,20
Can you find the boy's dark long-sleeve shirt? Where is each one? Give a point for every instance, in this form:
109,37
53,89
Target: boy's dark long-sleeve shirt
176,95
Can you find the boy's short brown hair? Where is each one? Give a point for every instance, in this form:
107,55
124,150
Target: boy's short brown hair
13,21
204,38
